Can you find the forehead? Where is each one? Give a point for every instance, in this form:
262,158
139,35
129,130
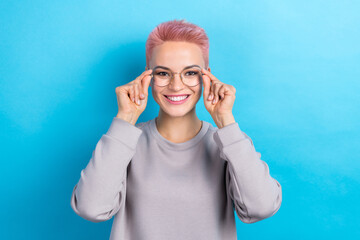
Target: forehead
176,55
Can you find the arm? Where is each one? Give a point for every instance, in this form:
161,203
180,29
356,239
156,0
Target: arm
101,189
255,194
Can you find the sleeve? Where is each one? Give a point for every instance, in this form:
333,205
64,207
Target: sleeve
255,194
100,192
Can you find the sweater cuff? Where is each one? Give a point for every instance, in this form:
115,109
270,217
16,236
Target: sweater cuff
124,132
228,135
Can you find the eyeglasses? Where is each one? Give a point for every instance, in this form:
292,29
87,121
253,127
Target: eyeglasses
190,75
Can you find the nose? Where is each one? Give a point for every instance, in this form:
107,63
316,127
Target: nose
176,82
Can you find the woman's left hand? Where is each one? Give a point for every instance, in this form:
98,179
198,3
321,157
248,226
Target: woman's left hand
219,99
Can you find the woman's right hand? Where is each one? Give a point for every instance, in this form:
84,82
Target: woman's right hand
128,95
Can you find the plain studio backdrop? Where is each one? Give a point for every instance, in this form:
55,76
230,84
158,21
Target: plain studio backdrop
295,65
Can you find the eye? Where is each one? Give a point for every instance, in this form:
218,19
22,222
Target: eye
191,73
162,73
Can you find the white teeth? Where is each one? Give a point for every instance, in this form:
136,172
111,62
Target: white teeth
175,99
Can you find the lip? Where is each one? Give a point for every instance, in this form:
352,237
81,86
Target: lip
180,95
178,102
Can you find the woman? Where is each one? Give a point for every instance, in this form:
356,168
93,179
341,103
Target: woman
176,176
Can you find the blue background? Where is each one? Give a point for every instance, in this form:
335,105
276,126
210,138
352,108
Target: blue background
295,65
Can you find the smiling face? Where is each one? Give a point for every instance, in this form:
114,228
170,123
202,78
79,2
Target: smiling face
176,56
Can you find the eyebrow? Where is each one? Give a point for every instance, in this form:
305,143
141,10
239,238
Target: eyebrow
194,65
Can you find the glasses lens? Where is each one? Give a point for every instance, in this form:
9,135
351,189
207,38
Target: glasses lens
191,76
161,77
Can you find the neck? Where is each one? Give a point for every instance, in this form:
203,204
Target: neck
178,129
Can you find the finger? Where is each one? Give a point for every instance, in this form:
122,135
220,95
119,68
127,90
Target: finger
222,92
216,92
136,88
212,91
143,74
132,93
141,92
206,81
145,82
210,97
211,76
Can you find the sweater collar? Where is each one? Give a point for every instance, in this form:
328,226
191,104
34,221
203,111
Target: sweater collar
178,146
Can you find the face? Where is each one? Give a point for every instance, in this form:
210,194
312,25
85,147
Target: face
176,56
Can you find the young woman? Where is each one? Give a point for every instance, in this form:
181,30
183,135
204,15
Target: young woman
176,176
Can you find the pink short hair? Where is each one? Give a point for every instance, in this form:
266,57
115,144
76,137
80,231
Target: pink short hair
178,30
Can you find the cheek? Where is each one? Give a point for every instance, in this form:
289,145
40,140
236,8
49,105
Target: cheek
198,91
197,94
156,94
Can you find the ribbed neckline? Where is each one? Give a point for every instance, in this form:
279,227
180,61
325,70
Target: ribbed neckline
178,146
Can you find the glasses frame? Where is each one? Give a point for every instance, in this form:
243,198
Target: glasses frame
173,74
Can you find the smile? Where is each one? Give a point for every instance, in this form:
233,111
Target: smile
177,100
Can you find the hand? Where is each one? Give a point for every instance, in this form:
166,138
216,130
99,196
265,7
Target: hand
219,99
132,97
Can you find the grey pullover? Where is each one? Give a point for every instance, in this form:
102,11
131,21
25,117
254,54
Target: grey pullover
160,190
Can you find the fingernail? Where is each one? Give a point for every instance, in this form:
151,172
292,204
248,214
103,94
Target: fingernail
142,95
133,99
214,100
138,101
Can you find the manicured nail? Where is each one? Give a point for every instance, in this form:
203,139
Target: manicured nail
133,99
142,95
138,101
